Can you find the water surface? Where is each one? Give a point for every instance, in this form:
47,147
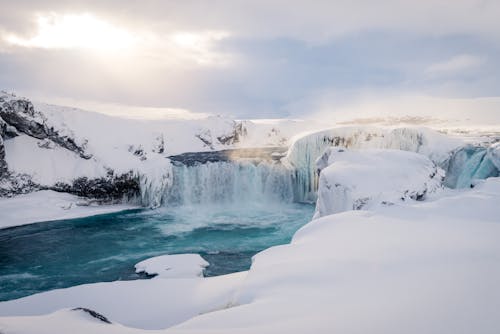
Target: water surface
58,254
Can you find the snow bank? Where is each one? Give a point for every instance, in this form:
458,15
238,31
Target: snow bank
306,149
148,304
428,267
49,205
356,179
173,266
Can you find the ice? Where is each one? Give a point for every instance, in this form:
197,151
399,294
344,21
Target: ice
469,164
305,150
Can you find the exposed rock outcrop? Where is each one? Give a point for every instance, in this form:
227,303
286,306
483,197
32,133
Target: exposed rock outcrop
110,188
20,114
3,163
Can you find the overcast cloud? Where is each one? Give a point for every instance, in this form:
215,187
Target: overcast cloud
257,59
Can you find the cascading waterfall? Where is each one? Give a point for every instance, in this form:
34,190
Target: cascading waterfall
229,182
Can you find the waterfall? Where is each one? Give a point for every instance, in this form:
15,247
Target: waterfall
229,182
216,177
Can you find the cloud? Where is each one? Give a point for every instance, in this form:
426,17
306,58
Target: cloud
455,65
250,58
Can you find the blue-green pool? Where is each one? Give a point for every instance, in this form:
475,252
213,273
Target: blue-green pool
58,254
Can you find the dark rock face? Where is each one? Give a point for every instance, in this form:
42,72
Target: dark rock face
93,314
110,188
20,114
234,137
3,163
17,184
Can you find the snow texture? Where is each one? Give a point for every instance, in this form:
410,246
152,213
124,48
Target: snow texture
359,179
49,205
173,266
423,267
306,149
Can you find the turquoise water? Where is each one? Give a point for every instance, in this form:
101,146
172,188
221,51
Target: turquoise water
58,254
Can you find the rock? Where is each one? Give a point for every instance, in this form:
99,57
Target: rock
47,144
20,114
110,188
17,184
93,314
3,163
234,137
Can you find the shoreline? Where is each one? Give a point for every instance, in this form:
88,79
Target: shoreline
47,205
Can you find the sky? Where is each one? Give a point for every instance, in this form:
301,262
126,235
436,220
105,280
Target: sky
258,59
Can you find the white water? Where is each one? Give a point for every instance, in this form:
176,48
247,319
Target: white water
230,182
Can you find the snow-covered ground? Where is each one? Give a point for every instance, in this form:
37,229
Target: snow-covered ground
430,267
49,205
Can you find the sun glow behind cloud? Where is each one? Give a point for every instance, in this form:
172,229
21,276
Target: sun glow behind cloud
93,34
74,31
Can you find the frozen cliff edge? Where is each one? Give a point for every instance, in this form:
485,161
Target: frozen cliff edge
445,151
361,179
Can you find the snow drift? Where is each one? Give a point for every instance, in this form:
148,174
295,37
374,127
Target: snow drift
358,179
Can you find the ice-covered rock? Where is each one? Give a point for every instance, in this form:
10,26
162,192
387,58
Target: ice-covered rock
471,163
173,266
356,179
306,149
20,114
494,154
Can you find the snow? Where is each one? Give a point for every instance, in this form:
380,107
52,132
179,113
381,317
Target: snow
408,267
424,267
48,166
140,146
307,148
149,304
173,266
355,179
49,205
